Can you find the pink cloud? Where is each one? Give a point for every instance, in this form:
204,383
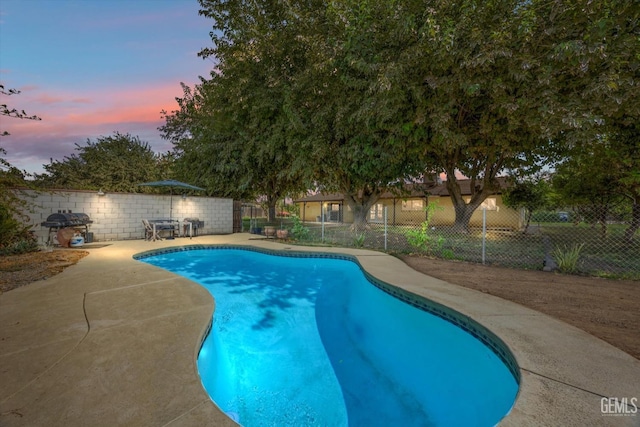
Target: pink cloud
70,118
28,88
46,99
123,105
82,100
105,106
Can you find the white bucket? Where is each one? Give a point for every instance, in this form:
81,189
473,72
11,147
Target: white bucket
76,241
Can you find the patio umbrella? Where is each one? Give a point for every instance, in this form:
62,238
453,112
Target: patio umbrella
171,183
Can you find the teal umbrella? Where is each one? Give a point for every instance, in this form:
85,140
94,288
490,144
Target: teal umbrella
171,183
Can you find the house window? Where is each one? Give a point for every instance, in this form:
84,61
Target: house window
489,204
412,205
376,213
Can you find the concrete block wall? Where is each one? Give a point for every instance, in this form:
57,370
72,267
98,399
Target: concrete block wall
118,216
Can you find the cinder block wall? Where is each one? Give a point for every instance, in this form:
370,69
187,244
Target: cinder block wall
118,216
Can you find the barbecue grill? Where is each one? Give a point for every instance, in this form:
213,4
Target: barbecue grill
195,223
57,221
62,220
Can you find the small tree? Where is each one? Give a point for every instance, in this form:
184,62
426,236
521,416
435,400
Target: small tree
588,181
529,194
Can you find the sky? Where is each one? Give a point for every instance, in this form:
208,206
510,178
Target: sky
90,68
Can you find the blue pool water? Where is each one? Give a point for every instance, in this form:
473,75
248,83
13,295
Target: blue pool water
311,342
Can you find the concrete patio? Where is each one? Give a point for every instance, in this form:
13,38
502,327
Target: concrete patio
113,341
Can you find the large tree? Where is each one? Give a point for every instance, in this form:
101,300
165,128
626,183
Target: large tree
501,84
287,106
625,139
348,133
232,132
358,94
600,99
112,163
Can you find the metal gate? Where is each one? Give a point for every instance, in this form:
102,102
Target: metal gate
237,216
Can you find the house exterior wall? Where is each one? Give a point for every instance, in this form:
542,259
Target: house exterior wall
397,215
503,217
443,215
347,214
118,216
311,212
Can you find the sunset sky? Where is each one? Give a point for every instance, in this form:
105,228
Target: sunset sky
89,68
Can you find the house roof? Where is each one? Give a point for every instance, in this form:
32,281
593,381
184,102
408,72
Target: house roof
413,191
321,197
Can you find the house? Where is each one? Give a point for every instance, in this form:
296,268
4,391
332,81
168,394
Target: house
410,209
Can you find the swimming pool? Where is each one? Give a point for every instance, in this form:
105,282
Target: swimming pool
310,340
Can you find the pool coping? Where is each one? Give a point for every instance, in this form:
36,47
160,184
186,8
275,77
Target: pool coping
114,341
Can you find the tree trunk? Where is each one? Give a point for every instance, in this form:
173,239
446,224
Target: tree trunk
464,210
527,220
360,204
360,214
463,216
271,208
602,219
634,225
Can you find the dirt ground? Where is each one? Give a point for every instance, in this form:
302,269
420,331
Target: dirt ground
20,270
608,309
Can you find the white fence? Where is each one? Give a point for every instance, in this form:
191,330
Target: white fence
118,216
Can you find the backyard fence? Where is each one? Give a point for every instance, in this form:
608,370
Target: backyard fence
576,241
118,216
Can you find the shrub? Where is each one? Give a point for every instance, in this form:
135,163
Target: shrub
420,239
20,247
15,238
299,231
358,240
567,257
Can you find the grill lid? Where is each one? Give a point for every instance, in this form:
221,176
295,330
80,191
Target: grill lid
66,220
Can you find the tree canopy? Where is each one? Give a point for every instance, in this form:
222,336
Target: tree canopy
360,96
530,193
233,132
601,176
500,85
112,163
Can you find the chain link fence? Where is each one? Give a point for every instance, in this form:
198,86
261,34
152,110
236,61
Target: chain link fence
573,241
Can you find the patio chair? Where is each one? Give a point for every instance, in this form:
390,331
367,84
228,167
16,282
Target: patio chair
148,230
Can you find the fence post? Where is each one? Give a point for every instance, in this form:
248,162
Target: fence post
484,232
322,219
385,228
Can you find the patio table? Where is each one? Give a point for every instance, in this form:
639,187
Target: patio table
177,227
164,224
